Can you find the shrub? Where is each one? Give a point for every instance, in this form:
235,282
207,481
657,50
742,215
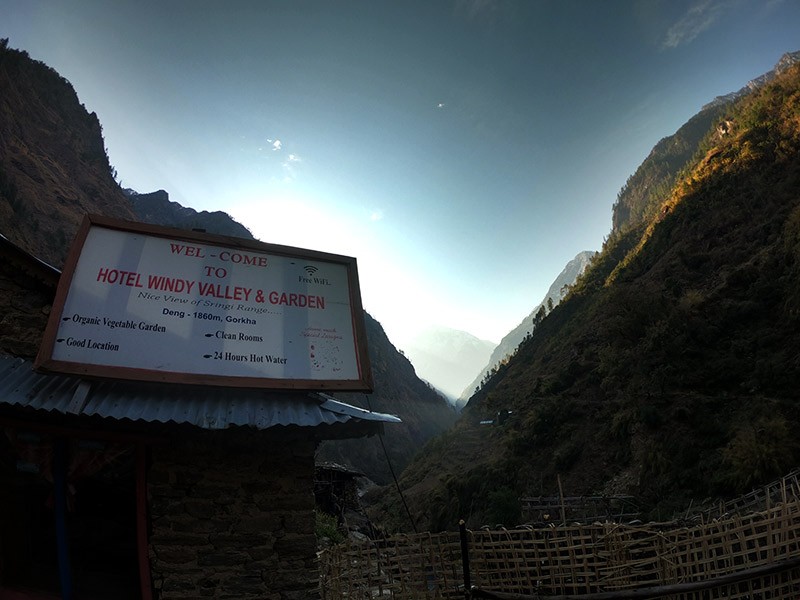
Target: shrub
326,526
759,452
503,507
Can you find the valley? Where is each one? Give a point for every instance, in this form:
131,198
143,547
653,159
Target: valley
663,366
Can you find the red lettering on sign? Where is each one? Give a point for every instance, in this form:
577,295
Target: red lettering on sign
194,251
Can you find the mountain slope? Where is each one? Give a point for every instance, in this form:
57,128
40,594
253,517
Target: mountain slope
511,341
53,163
670,370
648,187
54,167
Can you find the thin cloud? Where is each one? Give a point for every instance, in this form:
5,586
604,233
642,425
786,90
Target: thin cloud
289,168
697,19
376,215
276,145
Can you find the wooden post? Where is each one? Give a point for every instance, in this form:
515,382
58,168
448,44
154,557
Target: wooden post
462,530
142,548
60,493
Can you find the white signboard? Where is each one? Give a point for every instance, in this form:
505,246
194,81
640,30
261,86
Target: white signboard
142,302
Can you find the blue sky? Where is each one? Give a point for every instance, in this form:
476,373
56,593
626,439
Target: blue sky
462,150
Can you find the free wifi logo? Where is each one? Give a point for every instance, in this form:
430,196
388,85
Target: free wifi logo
311,270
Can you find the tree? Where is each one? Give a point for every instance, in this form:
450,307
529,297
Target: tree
540,314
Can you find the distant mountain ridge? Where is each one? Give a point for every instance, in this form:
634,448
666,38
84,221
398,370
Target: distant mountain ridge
784,63
156,207
511,341
447,358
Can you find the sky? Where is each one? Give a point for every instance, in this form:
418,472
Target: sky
462,150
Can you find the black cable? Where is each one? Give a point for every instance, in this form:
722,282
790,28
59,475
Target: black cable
391,470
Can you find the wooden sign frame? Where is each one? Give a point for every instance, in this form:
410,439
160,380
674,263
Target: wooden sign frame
253,290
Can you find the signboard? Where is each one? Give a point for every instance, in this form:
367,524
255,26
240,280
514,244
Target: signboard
149,303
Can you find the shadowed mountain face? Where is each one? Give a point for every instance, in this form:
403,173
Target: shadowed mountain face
54,170
53,163
670,370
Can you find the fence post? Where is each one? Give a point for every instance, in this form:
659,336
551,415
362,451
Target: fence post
462,530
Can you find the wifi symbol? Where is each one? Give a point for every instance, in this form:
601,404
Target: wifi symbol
310,269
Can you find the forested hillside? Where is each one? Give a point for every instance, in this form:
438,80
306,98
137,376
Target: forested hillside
670,370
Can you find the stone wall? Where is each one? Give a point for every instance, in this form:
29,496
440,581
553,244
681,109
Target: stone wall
232,516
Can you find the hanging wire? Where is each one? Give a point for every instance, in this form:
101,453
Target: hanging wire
391,470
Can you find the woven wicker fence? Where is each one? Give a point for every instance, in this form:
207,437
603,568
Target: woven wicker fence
575,560
781,490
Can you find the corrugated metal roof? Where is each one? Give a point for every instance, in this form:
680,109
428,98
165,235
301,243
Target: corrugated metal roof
46,267
208,407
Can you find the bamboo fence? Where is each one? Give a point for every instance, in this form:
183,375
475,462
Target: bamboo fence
780,490
578,560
